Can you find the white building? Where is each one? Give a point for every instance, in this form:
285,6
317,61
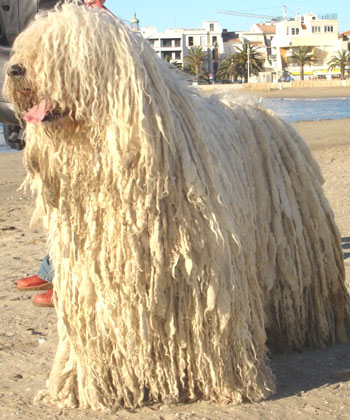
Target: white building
320,34
344,38
274,41
260,36
174,44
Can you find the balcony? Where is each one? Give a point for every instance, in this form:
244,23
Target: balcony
170,43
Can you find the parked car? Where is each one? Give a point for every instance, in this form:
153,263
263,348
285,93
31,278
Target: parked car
286,77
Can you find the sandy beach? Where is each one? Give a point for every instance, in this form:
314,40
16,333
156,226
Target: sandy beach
286,92
310,385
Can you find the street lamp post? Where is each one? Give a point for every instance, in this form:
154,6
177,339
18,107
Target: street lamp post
248,52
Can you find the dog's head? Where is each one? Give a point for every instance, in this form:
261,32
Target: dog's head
70,63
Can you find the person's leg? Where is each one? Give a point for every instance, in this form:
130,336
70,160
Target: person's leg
14,136
46,271
44,299
41,281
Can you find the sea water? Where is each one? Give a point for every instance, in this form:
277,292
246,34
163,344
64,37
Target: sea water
289,109
295,109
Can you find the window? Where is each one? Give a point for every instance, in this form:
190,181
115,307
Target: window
316,29
190,41
214,39
167,56
177,43
166,43
177,55
328,28
211,27
294,31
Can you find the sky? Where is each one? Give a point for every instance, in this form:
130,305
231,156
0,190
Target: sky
190,14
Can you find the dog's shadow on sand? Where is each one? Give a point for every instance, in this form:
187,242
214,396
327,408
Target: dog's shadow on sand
300,372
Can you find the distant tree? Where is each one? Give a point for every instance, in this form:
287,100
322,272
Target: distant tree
236,64
228,68
177,64
195,61
340,60
301,56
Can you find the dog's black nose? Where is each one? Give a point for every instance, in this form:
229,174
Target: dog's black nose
16,70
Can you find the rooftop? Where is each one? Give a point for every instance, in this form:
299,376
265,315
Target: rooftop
269,29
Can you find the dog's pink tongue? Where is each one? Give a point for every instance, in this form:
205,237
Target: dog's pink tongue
37,112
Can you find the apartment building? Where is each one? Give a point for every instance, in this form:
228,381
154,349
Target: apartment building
320,34
260,36
274,41
344,38
231,41
174,44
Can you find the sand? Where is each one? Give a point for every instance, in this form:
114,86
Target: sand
287,92
312,384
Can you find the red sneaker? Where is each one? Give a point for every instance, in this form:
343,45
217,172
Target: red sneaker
44,299
33,283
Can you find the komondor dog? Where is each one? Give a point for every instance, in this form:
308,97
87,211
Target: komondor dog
188,235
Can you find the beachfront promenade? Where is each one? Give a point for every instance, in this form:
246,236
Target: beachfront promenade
300,88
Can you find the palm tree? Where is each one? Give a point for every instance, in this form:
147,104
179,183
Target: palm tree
340,60
195,61
177,64
301,56
236,64
228,68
